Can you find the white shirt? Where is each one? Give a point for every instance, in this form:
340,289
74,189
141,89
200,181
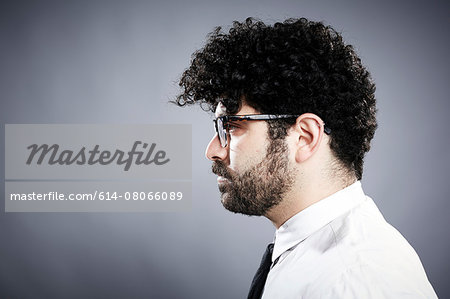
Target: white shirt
342,247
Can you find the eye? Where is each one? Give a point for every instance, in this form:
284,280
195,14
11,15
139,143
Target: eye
232,126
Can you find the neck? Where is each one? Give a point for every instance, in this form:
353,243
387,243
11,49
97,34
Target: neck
301,197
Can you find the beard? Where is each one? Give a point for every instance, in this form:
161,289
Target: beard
258,189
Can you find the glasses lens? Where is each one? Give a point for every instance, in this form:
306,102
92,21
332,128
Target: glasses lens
221,132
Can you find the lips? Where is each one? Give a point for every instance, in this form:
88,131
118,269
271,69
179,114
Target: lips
220,169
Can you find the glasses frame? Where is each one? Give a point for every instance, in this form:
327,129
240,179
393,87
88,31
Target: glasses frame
222,123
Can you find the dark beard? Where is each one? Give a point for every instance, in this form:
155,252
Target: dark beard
261,187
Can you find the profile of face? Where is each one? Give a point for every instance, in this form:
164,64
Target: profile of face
254,171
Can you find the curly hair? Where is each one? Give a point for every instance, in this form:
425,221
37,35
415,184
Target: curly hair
292,67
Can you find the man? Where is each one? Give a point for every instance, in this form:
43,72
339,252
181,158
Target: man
295,114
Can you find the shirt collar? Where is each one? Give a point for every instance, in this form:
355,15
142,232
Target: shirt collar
303,224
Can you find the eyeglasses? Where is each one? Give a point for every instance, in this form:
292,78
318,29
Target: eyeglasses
222,123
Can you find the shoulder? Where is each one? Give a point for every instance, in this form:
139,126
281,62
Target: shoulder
356,255
369,281
363,237
377,261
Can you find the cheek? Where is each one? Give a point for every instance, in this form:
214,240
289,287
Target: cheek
236,158
244,157
248,148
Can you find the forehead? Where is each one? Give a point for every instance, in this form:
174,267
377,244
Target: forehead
245,109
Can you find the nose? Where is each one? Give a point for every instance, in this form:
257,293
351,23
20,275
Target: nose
215,151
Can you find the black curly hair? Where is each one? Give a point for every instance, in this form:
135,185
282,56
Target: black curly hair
292,67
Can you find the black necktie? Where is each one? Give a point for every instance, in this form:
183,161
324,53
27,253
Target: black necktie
259,280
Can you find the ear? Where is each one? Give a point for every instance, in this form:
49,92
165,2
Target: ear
309,133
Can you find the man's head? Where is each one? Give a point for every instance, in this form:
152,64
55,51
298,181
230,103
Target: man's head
297,67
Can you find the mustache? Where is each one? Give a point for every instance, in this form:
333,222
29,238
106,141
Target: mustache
220,169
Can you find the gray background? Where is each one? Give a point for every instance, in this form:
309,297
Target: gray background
118,61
